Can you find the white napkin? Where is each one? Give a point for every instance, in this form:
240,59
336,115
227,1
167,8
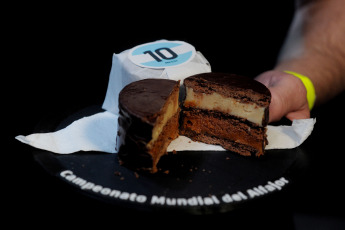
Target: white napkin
98,132
288,137
93,133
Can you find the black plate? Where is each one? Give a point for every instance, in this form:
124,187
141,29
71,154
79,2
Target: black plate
194,182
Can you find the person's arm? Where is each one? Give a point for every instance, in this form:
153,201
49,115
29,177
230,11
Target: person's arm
314,47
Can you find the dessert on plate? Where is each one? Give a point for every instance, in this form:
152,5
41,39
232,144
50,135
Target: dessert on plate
217,108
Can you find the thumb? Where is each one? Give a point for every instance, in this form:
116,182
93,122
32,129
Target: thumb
303,113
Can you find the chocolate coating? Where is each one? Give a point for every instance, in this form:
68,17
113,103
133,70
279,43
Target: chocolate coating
140,103
230,85
145,98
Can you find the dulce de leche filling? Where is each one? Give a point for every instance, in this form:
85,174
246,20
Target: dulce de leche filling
169,110
215,101
165,129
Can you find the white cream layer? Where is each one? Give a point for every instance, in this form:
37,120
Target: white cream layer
215,101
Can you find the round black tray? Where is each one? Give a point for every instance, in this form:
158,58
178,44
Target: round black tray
189,181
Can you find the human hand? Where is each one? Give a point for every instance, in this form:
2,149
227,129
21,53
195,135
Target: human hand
289,96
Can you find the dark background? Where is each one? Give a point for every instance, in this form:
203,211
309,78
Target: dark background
58,60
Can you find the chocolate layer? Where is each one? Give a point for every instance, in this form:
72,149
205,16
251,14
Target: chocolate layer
230,85
242,149
217,128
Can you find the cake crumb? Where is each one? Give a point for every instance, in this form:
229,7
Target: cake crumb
136,175
122,178
174,151
227,158
117,173
166,171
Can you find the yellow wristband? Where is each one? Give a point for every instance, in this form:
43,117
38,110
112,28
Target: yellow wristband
311,96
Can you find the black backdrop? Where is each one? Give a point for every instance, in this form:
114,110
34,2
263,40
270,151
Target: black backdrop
63,53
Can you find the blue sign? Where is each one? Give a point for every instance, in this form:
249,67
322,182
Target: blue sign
162,54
